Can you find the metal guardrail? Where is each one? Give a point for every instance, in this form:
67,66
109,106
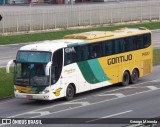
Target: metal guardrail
53,17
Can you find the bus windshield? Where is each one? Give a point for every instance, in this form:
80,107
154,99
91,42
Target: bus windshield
29,74
33,56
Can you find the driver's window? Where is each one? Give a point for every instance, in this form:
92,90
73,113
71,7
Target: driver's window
18,71
53,77
56,66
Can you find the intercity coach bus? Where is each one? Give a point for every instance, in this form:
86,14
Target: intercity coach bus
81,62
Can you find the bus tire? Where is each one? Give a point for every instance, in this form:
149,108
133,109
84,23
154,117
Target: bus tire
70,92
125,78
134,76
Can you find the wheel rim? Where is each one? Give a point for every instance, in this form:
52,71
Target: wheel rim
70,92
135,75
126,79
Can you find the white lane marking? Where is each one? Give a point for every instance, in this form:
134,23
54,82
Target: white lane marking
85,105
44,113
109,116
99,102
82,103
114,94
76,100
82,106
129,86
37,110
152,87
136,125
158,80
149,87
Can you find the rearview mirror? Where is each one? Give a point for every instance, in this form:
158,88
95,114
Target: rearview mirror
48,66
9,65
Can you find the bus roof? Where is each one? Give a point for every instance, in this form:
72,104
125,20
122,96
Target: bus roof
94,35
51,45
83,38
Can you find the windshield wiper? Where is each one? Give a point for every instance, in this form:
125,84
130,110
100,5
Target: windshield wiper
22,81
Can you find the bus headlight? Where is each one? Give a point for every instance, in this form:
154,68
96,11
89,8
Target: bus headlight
43,92
15,90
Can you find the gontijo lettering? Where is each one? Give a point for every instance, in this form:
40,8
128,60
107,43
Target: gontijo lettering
119,59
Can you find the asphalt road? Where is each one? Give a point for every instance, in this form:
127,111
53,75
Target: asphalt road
135,101
9,52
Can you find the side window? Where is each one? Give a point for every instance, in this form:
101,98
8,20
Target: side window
108,48
124,45
70,55
95,50
83,52
127,46
146,40
117,45
135,43
58,58
56,66
138,42
130,43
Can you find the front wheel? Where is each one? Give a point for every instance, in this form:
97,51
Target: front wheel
134,76
70,93
125,79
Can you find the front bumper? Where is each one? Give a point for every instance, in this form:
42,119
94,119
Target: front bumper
45,96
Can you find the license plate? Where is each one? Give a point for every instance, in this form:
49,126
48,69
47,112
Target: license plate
29,97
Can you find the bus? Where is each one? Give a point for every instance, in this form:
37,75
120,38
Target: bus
81,62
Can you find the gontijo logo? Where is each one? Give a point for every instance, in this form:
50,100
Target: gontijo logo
58,91
119,59
70,71
71,49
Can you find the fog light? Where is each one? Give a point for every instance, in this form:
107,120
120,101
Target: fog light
43,92
15,90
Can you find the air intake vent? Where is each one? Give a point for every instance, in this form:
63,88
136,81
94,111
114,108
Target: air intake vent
90,35
146,67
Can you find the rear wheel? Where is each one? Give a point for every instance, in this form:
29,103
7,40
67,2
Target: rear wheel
125,79
134,76
70,93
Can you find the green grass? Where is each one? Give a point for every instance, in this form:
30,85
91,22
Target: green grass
156,57
6,84
24,38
